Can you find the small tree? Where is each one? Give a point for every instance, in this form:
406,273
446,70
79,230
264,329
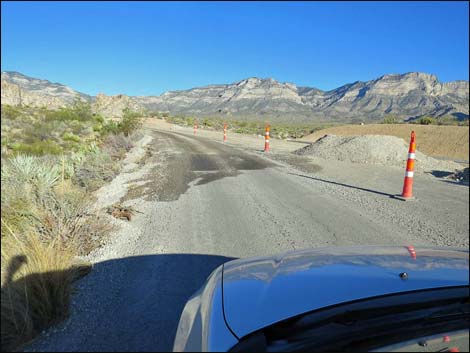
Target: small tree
130,121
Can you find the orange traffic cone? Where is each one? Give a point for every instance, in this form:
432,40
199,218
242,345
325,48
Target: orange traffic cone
225,132
266,139
412,251
407,193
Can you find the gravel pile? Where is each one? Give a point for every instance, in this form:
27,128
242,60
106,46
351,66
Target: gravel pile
372,149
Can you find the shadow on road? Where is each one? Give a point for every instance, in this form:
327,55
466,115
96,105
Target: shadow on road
345,185
459,177
131,304
440,173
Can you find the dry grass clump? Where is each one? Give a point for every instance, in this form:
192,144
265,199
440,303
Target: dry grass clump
46,220
36,286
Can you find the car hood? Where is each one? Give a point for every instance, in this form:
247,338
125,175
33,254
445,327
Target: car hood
261,291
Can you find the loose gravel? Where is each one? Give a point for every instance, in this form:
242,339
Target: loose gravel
373,149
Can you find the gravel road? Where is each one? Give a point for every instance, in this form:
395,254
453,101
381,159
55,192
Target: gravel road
204,203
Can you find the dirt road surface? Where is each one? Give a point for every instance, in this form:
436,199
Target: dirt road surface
203,203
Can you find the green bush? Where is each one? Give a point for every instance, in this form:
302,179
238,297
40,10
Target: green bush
37,148
427,120
450,120
10,112
391,119
207,122
68,136
130,121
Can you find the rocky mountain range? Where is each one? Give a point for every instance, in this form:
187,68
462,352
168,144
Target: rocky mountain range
407,96
19,89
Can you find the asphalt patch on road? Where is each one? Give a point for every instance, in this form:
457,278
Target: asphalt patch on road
182,162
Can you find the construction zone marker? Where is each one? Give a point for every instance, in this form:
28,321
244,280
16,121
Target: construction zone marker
195,127
407,193
225,132
412,252
266,139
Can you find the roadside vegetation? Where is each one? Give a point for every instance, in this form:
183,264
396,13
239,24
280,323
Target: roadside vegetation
277,130
52,161
428,120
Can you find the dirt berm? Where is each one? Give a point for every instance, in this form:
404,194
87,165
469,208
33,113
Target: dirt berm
449,142
373,149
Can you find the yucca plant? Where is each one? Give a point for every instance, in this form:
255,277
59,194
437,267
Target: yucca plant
30,169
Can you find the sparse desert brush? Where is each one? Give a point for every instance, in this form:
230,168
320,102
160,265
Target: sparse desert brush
36,286
70,218
391,119
117,145
10,112
37,148
38,196
97,168
51,161
42,131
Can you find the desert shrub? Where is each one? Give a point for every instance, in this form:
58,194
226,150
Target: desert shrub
38,197
37,132
390,119
68,136
26,183
79,111
207,122
464,122
117,145
451,120
427,120
110,127
10,112
96,169
129,122
37,148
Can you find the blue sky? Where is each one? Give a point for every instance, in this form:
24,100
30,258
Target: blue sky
146,48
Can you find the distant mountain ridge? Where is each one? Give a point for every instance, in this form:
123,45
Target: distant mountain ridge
406,95
21,89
